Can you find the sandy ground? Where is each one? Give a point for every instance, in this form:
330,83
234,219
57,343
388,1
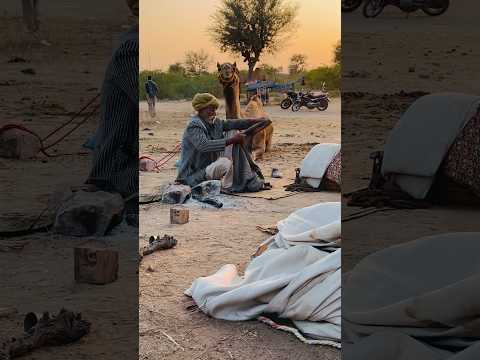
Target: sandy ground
383,57
213,238
67,75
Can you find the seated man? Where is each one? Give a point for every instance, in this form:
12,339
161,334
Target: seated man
204,143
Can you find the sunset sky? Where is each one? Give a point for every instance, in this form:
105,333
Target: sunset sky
168,29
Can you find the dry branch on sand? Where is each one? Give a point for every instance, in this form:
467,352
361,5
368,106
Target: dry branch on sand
65,328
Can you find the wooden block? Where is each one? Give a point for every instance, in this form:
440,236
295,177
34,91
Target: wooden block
179,215
95,265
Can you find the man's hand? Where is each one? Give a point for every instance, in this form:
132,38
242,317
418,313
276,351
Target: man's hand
236,139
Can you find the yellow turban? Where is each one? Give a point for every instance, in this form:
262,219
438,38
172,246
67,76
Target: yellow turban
201,101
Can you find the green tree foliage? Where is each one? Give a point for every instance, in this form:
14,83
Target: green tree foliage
177,68
271,72
331,75
251,27
177,86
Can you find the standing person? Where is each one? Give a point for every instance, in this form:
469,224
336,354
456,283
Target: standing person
152,90
115,157
30,14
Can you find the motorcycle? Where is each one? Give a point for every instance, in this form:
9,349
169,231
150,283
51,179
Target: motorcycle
373,8
312,101
351,5
289,100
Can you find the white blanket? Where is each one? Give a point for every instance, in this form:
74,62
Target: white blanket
315,225
300,282
316,162
415,300
422,137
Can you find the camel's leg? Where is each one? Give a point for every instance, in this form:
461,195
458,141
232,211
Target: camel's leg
268,139
258,145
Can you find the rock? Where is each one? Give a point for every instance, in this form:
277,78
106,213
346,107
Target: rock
147,164
29,71
88,213
16,59
176,194
18,144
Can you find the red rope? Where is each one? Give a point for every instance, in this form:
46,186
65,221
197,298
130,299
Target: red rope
74,128
43,148
158,164
73,117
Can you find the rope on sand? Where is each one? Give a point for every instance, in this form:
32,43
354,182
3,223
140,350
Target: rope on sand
44,147
159,164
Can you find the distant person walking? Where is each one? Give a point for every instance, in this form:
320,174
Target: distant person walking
30,14
152,90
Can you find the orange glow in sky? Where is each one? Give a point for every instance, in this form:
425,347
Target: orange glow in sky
168,29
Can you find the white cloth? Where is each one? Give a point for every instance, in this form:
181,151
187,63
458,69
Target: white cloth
414,300
422,137
300,283
316,162
318,224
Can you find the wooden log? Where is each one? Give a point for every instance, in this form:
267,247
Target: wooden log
95,265
179,215
155,244
64,328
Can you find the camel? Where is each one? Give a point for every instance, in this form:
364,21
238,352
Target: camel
228,75
261,142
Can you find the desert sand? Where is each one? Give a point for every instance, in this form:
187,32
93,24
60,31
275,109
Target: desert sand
215,237
68,73
388,62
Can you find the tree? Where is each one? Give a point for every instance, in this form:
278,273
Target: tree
337,53
177,68
197,62
298,63
252,27
271,72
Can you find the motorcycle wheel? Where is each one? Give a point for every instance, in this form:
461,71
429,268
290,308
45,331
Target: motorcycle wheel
373,8
323,106
350,5
285,104
296,107
437,11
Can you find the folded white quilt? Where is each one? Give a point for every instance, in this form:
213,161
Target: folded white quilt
316,162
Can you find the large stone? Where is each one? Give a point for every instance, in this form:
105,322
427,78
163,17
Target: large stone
88,213
176,194
18,144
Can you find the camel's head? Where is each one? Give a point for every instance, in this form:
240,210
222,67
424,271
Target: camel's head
228,73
